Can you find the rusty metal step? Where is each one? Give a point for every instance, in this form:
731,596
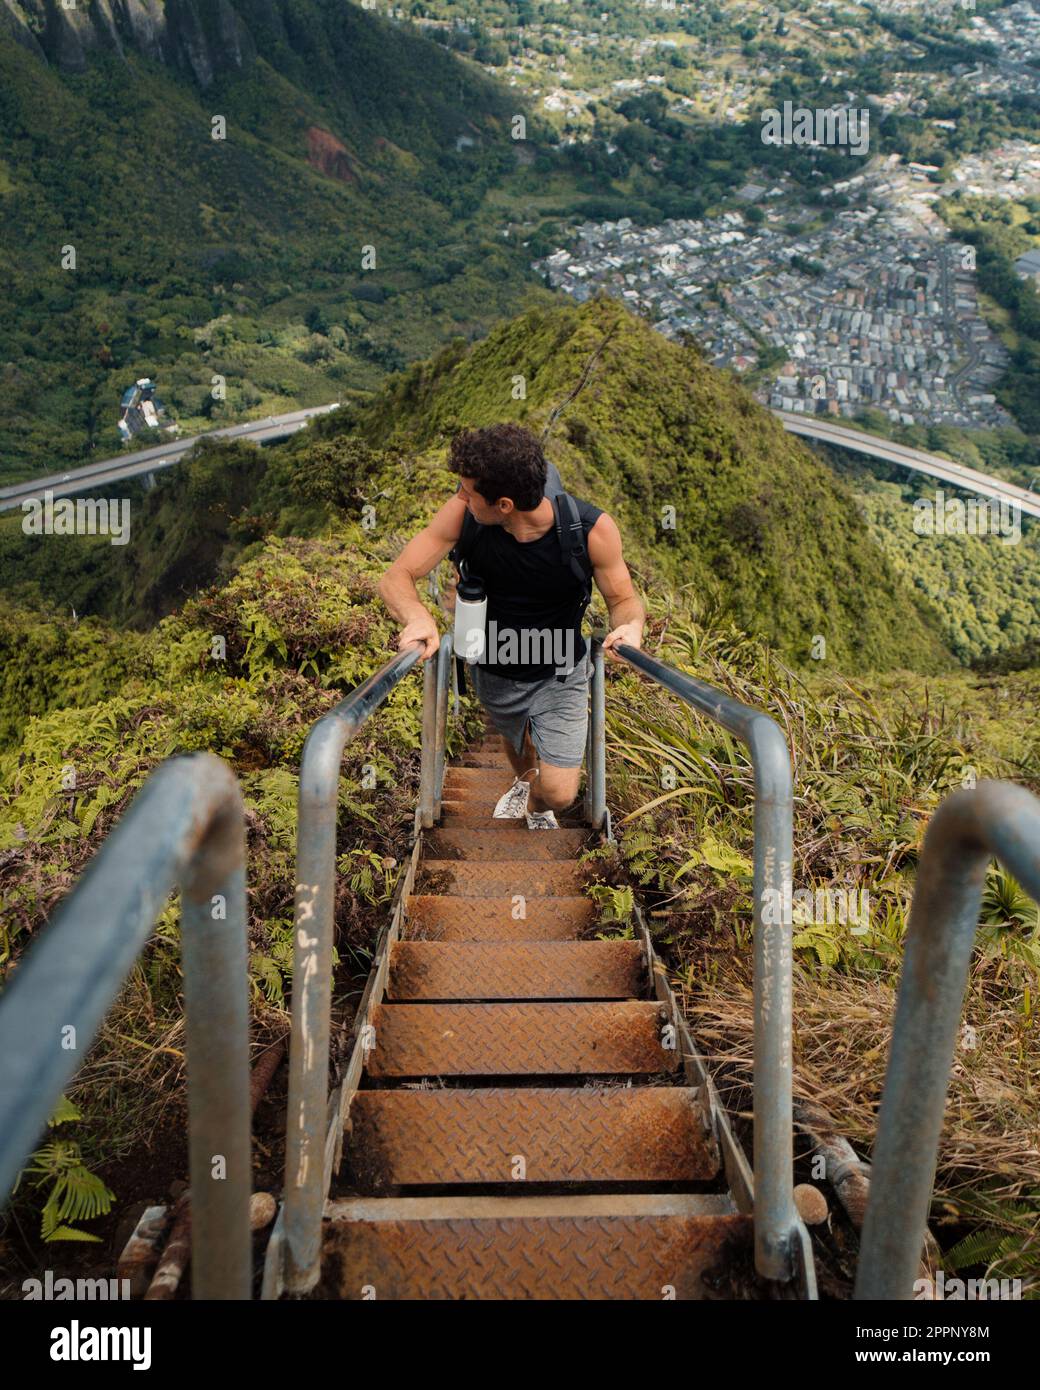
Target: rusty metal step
463,782
567,1134
531,878
443,918
529,1248
480,811
485,757
477,815
519,1040
479,846
516,970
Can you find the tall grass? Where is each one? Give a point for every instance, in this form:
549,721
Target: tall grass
872,758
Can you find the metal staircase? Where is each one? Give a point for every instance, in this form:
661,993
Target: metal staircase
524,1126
524,1113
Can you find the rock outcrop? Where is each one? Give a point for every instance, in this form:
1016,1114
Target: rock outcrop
199,37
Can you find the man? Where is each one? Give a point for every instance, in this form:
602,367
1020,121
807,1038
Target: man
533,677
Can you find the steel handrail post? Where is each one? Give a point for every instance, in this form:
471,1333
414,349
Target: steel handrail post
776,1218
587,798
314,921
971,827
596,801
185,826
444,660
428,750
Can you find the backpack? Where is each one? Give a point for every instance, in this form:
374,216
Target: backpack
570,532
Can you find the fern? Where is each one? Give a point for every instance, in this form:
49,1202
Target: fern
1006,1242
76,1193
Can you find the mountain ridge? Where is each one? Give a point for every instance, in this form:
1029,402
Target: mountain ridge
760,522
713,498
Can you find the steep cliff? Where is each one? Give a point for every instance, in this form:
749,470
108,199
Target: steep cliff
201,39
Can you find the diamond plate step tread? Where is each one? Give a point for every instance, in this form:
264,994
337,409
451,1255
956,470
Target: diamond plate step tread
478,815
516,970
508,843
416,1040
443,918
480,818
490,781
573,1134
663,1254
530,878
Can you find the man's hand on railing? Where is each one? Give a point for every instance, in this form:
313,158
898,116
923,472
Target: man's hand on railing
628,634
420,629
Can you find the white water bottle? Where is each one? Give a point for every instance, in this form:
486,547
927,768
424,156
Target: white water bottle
470,620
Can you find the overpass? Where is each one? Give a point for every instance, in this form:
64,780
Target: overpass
825,431
144,461
828,431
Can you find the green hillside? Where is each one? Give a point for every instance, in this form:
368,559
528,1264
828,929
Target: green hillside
985,589
758,520
760,526
273,552
238,258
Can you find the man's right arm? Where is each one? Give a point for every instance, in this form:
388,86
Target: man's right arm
422,554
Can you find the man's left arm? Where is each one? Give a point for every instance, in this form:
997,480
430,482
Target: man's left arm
614,582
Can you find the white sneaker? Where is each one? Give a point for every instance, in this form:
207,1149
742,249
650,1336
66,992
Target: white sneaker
513,803
541,820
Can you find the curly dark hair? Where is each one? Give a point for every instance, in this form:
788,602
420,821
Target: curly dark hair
503,461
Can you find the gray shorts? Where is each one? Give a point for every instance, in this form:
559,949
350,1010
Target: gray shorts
557,711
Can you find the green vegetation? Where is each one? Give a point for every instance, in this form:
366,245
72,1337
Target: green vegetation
75,1193
985,589
198,259
873,758
278,553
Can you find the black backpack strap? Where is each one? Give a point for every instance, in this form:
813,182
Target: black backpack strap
570,531
467,536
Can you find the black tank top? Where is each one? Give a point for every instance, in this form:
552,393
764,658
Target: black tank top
534,601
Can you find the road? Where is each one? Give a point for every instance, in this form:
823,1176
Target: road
981,484
123,466
280,426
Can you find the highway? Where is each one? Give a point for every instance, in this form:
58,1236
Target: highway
826,431
151,460
981,484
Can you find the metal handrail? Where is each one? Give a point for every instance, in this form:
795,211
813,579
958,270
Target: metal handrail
185,826
776,1218
971,827
436,677
596,752
314,930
